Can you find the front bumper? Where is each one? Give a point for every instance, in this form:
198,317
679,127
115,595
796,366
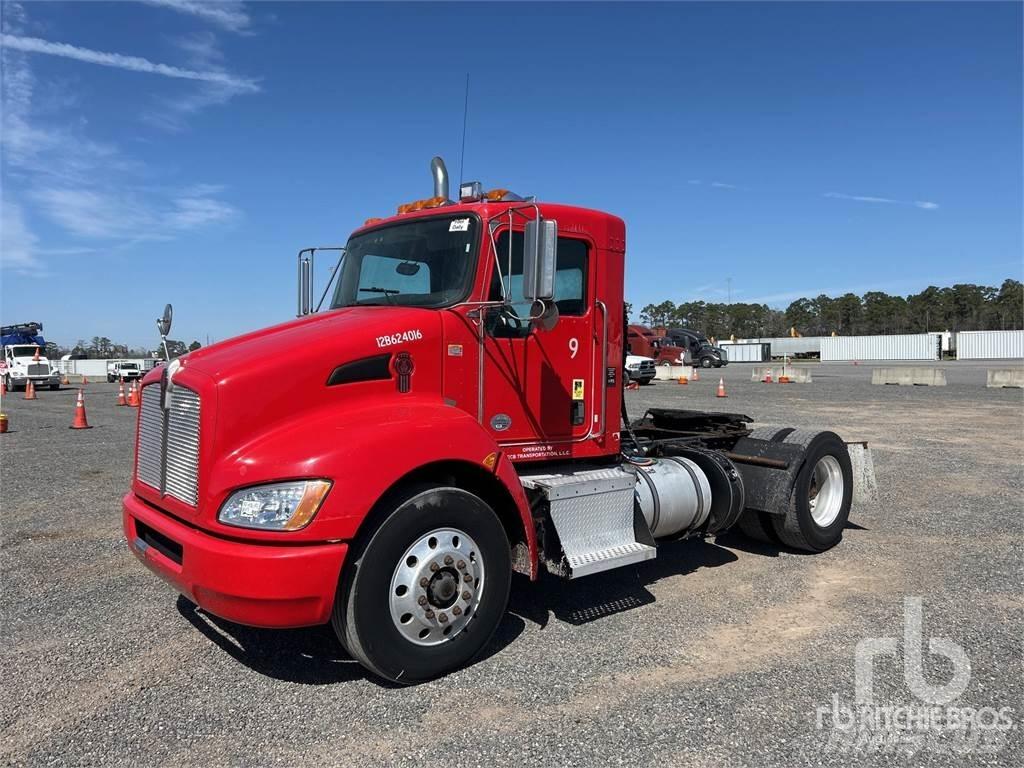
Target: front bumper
260,585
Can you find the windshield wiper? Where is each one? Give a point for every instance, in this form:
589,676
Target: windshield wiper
388,293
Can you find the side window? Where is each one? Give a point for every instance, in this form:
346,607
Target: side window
570,277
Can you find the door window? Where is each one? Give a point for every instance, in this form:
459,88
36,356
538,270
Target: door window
570,282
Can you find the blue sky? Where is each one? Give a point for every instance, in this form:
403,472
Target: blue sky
174,151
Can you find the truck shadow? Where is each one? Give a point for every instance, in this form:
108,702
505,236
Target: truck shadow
606,594
308,656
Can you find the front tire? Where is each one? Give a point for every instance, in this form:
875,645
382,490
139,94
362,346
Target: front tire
427,588
705,362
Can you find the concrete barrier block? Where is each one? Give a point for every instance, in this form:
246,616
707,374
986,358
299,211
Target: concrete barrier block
909,376
1006,377
796,375
673,372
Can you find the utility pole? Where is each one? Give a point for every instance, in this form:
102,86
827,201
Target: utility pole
728,290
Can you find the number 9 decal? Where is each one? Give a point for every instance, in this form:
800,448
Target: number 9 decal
574,347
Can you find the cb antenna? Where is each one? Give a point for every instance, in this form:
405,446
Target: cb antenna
465,113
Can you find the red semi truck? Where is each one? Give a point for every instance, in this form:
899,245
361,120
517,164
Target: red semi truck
641,340
453,415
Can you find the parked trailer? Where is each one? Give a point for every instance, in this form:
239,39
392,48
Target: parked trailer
920,346
990,345
787,346
747,353
450,431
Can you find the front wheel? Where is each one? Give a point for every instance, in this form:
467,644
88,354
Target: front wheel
705,362
428,588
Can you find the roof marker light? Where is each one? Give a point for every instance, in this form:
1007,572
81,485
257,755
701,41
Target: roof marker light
471,191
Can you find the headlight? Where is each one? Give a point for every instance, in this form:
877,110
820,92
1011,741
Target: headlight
276,506
633,366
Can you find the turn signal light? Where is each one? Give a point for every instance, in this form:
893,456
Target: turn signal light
374,220
495,194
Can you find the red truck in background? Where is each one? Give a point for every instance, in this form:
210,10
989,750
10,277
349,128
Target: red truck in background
454,414
641,340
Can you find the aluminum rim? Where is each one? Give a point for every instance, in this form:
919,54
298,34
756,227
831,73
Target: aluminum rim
825,495
436,587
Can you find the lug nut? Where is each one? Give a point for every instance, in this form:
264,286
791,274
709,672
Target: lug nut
461,564
466,595
422,600
434,567
429,614
467,578
456,611
443,618
424,582
448,560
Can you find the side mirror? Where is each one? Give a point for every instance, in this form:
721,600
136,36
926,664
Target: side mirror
164,323
540,254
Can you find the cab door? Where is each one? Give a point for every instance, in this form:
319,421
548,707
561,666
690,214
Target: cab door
539,385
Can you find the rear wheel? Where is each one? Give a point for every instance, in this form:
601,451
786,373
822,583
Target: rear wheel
822,494
428,588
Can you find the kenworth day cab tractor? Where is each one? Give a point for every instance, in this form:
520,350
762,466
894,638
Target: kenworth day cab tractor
455,413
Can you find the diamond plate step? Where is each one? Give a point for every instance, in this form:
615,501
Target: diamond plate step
593,514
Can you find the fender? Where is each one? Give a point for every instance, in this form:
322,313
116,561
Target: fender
364,453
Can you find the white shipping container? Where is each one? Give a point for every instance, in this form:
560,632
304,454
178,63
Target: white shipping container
785,345
918,346
746,353
989,345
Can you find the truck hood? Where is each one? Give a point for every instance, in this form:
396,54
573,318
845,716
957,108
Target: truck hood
318,342
250,383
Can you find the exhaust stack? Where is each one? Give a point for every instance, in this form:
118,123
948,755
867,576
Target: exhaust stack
440,178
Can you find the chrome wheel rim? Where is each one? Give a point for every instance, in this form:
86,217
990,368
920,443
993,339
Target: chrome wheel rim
825,495
436,587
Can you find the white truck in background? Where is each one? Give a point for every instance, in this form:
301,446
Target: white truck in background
119,369
24,353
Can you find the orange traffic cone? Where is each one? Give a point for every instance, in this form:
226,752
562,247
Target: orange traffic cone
683,380
35,357
696,375
3,386
30,391
633,385
85,380
783,379
3,423
721,388
767,378
120,394
65,381
80,421
134,397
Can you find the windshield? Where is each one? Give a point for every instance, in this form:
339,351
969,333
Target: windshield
26,351
132,366
421,263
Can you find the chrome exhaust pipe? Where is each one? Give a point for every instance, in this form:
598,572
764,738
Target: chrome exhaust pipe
440,178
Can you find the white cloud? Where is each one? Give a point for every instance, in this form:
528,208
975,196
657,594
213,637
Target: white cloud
229,15
923,204
89,190
120,61
18,245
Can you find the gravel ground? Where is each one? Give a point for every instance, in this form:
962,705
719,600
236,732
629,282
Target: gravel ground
717,652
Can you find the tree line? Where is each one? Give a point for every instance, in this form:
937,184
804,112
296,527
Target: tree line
962,307
102,348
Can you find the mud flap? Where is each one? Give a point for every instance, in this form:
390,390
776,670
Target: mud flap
865,485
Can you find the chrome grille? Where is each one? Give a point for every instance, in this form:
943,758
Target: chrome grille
38,369
170,465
